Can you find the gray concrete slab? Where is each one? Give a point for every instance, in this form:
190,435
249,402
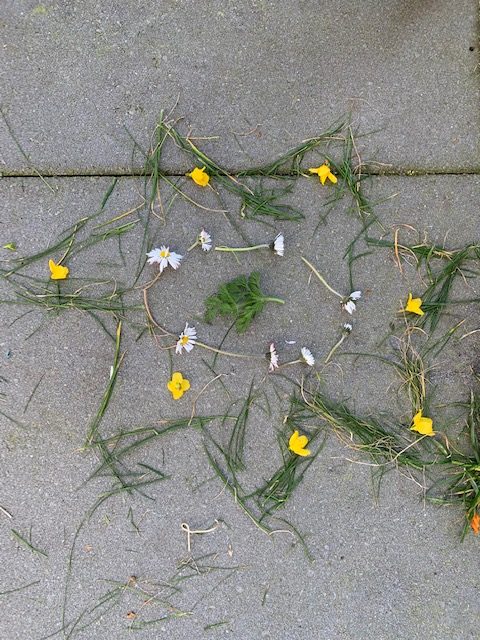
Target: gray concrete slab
388,569
257,74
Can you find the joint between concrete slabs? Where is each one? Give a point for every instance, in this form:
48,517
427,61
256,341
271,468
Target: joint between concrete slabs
404,173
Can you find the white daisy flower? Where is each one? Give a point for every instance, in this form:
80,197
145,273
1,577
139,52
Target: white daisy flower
205,240
278,245
273,358
347,329
349,303
187,339
307,356
164,257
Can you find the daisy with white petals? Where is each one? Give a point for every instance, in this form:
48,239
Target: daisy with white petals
187,339
347,302
346,331
307,356
204,239
277,246
164,258
273,357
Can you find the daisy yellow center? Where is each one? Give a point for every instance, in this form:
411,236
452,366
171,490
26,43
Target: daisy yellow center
184,340
165,253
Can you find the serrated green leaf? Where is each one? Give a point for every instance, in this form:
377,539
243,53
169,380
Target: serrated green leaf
241,298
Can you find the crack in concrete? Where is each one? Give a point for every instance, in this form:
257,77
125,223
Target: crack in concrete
403,173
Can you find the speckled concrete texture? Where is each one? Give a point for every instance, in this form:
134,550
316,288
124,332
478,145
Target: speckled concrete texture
388,566
81,83
259,74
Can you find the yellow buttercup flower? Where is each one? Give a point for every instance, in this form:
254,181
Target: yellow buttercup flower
475,524
323,172
178,385
199,176
422,425
57,271
297,444
414,305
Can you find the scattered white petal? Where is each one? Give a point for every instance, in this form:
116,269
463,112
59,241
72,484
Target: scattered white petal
355,295
273,358
290,342
154,256
349,306
187,339
308,356
279,245
174,260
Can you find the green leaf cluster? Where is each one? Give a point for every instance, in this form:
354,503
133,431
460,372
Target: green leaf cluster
241,299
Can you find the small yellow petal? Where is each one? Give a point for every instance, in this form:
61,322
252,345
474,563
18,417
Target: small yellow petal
176,392
178,385
302,441
323,172
199,176
414,305
332,178
301,452
475,524
422,425
297,444
57,271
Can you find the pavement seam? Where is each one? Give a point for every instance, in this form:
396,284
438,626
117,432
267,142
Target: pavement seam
408,173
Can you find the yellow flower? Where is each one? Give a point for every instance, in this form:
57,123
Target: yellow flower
178,385
323,172
475,524
57,271
414,305
199,176
422,425
298,443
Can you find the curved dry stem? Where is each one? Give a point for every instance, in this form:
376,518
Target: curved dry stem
229,353
166,333
321,278
334,348
148,311
194,403
242,249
